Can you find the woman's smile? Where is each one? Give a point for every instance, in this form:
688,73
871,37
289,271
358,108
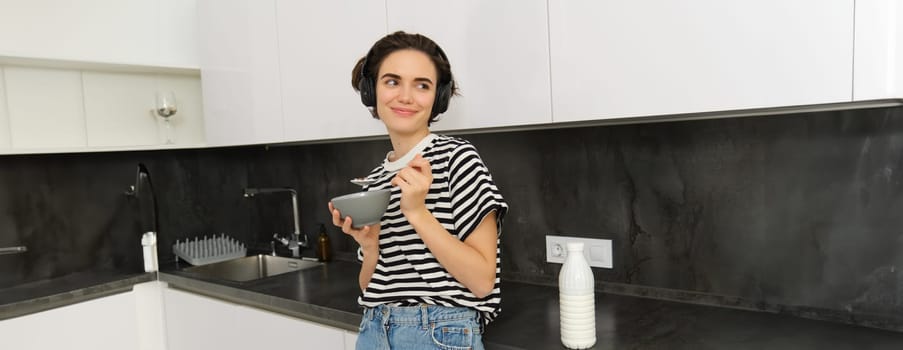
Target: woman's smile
404,112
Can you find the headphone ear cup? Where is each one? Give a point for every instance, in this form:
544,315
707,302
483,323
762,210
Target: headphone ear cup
443,95
368,91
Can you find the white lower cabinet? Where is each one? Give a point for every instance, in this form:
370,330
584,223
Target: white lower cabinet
196,322
108,323
350,340
267,329
155,317
199,322
151,318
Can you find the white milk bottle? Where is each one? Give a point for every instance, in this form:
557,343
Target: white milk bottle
577,300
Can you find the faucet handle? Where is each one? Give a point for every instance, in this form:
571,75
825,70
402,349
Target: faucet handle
302,240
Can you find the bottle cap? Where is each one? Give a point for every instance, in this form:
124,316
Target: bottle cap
149,238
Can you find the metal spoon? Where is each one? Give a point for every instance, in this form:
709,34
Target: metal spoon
362,181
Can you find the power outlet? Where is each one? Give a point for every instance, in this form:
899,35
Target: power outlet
596,251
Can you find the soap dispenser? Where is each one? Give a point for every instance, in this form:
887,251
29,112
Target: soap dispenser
149,244
323,244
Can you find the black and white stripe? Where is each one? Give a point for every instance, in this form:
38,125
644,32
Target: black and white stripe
460,197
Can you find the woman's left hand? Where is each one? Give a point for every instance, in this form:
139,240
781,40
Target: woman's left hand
414,181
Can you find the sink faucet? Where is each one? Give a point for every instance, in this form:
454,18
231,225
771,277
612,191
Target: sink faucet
143,191
295,243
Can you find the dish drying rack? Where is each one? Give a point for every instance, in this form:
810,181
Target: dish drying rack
209,250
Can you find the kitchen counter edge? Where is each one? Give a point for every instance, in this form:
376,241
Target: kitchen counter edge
68,290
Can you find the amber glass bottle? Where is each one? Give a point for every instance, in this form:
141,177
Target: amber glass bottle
323,245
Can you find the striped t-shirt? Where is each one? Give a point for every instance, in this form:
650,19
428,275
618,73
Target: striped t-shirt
461,196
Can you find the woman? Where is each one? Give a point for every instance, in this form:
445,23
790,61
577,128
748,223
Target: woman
429,274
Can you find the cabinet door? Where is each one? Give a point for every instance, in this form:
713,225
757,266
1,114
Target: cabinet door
188,123
240,72
286,332
622,58
107,323
151,321
350,340
4,115
319,43
46,108
177,31
92,30
499,52
879,49
143,32
118,109
197,322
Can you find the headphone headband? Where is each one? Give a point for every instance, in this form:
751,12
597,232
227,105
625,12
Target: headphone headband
370,53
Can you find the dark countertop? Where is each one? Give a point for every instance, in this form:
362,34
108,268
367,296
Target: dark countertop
325,294
47,294
529,317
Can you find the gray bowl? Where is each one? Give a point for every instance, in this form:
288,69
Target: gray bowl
364,208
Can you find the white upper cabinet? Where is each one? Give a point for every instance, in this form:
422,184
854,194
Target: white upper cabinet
499,53
240,71
81,75
319,44
113,112
177,33
879,50
621,58
118,110
4,115
45,108
137,32
48,110
187,125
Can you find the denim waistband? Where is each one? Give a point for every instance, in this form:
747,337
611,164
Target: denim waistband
420,314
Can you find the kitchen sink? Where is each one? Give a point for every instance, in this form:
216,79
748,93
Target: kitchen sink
251,268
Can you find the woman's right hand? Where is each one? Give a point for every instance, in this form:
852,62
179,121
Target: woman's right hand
367,236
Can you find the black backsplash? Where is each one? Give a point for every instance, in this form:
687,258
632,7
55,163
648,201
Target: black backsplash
793,213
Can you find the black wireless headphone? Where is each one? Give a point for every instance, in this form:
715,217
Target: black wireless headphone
367,88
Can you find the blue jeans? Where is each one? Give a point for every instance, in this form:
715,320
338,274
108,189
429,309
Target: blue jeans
419,327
